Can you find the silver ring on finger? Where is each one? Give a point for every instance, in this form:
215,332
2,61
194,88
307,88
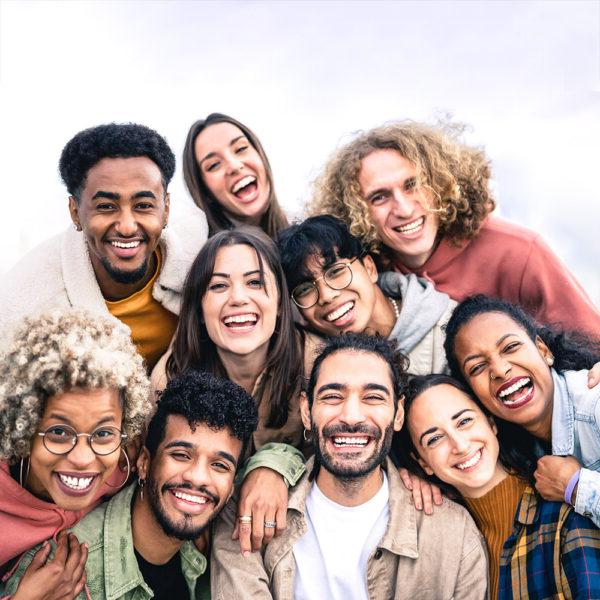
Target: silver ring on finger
270,524
245,519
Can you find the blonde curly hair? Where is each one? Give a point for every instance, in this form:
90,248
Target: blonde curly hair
59,351
456,175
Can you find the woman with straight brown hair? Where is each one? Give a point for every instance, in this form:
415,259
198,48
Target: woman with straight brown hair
229,177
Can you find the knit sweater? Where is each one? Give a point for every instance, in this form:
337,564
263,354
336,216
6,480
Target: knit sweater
513,263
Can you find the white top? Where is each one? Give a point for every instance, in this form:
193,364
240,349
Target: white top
331,558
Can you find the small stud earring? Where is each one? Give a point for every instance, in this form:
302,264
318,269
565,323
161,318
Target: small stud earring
550,361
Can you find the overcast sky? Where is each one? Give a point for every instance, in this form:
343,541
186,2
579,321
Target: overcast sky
304,75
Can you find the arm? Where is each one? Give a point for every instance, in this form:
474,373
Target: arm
232,574
587,498
281,458
472,578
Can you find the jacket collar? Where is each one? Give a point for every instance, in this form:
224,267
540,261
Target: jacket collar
121,570
563,436
401,535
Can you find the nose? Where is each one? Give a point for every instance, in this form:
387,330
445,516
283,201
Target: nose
197,473
499,368
460,444
352,412
81,455
234,164
127,225
403,206
326,293
238,294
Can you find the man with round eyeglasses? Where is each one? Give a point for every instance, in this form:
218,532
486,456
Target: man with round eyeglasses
335,284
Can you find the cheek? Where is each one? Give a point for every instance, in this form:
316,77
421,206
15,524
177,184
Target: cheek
41,461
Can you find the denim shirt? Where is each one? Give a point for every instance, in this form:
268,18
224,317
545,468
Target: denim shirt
576,432
112,568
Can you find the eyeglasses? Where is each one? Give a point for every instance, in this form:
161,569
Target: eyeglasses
61,439
338,276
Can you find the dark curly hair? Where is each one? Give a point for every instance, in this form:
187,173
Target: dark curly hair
519,450
113,140
203,398
325,236
368,344
572,351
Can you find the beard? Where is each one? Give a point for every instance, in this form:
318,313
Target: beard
121,276
352,470
186,528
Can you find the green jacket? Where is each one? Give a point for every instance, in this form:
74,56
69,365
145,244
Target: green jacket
112,569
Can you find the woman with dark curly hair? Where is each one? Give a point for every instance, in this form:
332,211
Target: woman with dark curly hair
450,439
421,200
229,177
73,392
534,377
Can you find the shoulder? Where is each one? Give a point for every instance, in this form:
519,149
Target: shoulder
91,528
577,383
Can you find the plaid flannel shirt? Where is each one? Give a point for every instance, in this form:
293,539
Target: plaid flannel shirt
553,552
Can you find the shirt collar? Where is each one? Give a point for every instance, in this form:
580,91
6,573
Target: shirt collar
527,511
563,436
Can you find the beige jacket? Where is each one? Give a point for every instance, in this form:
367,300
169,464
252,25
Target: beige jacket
420,557
59,274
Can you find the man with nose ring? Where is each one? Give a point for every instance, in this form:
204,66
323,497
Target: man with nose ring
352,529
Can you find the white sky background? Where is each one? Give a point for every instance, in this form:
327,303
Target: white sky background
304,75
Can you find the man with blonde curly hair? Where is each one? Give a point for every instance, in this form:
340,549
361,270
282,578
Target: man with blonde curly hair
420,199
73,392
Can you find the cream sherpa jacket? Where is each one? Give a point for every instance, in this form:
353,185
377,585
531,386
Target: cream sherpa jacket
58,273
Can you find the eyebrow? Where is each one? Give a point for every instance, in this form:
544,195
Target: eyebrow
227,276
228,457
180,444
67,421
498,343
433,429
341,387
114,196
211,154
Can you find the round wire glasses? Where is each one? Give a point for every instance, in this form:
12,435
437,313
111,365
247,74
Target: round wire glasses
61,439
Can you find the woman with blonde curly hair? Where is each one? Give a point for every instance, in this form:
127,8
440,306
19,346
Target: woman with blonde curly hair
73,392
421,200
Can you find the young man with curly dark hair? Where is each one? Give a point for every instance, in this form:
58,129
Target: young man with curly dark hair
118,258
420,199
352,529
141,542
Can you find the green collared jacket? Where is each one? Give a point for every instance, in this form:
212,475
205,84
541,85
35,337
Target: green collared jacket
112,569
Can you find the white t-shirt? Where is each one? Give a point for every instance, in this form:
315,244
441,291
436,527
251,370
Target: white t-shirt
331,558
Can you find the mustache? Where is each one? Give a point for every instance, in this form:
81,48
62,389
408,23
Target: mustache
188,486
361,428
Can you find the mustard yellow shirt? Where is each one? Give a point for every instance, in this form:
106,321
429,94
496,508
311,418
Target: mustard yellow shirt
152,325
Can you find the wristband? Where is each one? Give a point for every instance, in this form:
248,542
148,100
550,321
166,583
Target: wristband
571,486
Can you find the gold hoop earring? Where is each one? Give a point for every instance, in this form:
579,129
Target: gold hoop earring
116,487
21,482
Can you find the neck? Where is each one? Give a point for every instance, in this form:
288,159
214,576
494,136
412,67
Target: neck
500,474
383,316
148,537
350,492
113,290
543,428
245,369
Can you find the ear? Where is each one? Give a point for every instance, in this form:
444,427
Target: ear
399,416
74,211
143,463
544,350
369,265
305,411
167,209
424,465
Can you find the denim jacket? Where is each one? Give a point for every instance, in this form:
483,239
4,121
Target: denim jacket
576,432
112,569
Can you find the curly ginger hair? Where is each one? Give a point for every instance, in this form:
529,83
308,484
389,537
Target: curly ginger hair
456,176
56,352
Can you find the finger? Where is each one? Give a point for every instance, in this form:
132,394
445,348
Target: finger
258,528
80,585
427,499
39,558
593,377
79,570
406,479
245,533
269,532
62,548
74,554
416,494
281,518
437,495
236,531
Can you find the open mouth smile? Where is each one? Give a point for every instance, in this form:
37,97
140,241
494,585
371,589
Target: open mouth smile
342,315
242,322
189,502
246,189
516,393
125,248
76,484
471,462
412,227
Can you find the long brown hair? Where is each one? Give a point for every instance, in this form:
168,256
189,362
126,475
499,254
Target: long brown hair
274,219
192,346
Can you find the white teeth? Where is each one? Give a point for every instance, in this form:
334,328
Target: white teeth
126,244
471,462
411,227
249,318
514,387
190,498
350,441
242,183
76,483
340,312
